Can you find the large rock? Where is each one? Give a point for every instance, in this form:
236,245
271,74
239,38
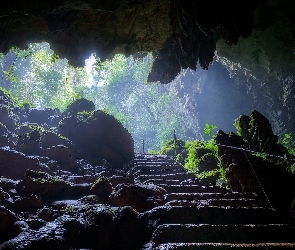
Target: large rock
184,33
256,130
7,219
140,197
80,105
7,117
40,183
63,157
46,117
267,176
99,136
85,227
13,164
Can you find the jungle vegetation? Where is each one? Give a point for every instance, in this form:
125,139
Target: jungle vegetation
151,111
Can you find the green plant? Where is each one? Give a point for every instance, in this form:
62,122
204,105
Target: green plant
288,143
237,126
208,129
152,152
191,162
83,115
291,168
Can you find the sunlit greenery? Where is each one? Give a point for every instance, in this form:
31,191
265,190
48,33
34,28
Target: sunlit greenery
288,143
198,156
150,111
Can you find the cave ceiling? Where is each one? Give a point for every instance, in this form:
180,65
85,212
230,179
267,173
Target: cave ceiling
181,34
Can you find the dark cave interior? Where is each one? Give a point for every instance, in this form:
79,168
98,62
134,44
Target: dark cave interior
62,189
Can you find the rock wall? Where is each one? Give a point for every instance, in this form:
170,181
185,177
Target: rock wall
180,33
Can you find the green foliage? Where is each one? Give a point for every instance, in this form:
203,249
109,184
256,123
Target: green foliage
208,129
169,146
15,100
150,111
40,77
288,143
291,168
192,161
83,115
77,96
9,75
152,152
98,65
198,152
237,126
98,180
54,57
123,119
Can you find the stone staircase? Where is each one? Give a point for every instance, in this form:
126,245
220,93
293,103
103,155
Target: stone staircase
198,215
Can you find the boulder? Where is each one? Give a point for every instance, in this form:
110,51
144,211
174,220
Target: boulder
7,218
7,117
96,229
4,136
102,186
41,183
256,130
45,117
13,164
138,196
99,136
28,203
79,105
63,157
50,138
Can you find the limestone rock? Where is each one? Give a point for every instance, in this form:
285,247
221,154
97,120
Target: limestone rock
80,105
6,218
40,183
45,117
140,197
256,130
102,186
28,203
13,164
180,33
63,156
100,136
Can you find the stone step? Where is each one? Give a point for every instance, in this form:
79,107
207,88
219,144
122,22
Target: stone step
216,202
115,180
205,196
222,246
162,182
175,188
164,176
159,166
157,172
149,156
213,215
231,233
168,182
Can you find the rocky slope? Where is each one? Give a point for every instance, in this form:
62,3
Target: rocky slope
152,203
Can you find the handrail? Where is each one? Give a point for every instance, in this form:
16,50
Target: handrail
253,152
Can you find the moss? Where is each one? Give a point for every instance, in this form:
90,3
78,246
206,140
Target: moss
14,100
101,186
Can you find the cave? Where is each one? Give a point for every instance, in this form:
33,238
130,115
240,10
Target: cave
75,179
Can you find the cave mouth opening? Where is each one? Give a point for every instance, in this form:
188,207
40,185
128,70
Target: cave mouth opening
151,111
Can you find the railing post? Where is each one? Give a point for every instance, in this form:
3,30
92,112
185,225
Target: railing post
174,136
143,146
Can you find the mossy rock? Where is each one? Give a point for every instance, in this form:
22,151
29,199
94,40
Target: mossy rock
102,186
41,183
80,105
